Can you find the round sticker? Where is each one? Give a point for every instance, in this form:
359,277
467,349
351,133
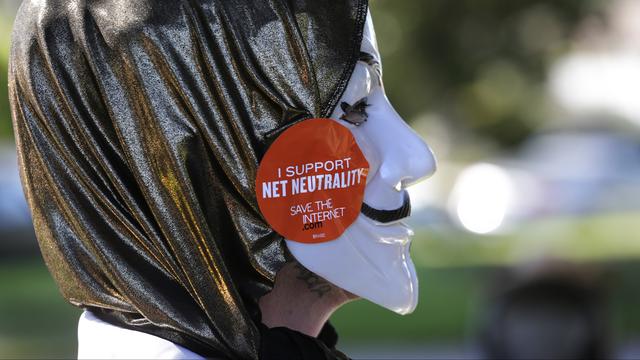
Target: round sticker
310,183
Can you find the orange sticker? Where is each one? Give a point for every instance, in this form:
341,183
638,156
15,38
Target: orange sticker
310,183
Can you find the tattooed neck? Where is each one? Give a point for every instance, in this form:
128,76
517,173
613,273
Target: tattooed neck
314,300
314,283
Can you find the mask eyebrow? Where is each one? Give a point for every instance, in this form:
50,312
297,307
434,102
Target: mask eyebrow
373,63
368,58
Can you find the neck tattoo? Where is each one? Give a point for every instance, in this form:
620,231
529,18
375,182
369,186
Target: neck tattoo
314,283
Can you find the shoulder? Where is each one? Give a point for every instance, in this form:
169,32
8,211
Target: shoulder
100,340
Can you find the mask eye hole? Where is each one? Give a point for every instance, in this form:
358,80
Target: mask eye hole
355,114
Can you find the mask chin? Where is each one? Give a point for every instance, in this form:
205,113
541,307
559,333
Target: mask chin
374,265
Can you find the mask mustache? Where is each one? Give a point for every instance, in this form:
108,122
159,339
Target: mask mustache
387,216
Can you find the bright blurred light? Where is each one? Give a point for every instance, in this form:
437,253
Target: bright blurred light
481,197
423,194
610,82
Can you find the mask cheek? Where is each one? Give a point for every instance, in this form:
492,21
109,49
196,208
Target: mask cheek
369,151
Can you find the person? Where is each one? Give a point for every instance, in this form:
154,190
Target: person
552,309
139,129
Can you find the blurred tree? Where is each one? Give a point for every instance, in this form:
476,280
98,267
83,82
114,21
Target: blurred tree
479,64
5,114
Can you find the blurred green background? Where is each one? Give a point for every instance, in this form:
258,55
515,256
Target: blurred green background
520,97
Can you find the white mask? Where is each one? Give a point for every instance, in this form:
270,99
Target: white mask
371,259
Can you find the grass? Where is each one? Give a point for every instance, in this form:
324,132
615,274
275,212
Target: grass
35,322
596,238
447,311
455,270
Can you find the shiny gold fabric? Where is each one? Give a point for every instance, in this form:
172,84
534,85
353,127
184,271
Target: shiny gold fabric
140,125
